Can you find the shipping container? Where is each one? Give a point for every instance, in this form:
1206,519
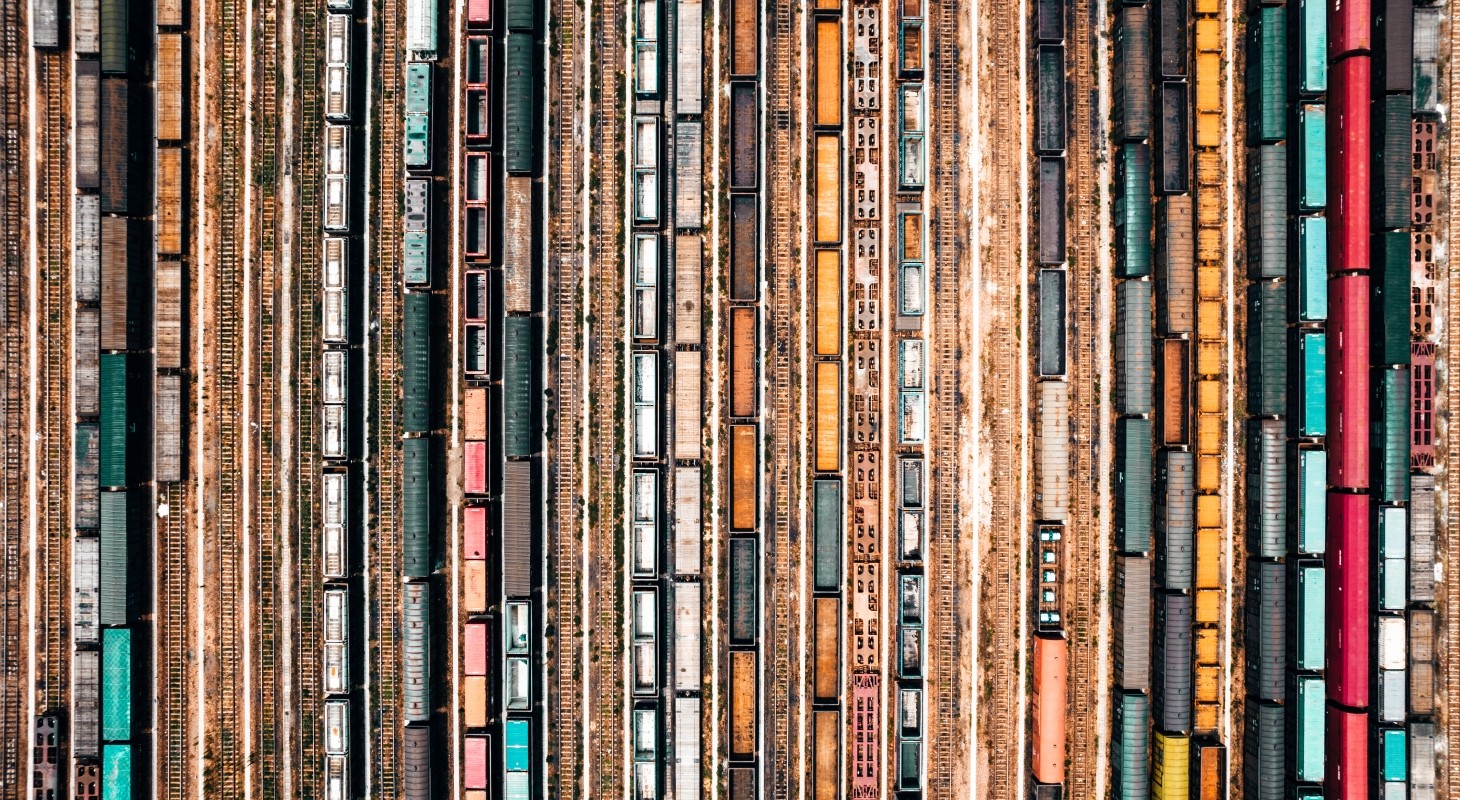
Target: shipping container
1348,599
1047,709
1133,211
1267,208
1312,47
416,508
1264,746
1172,696
1313,409
1347,366
1170,766
1134,356
1348,164
1390,320
1175,265
1392,188
1051,322
1309,639
1308,728
116,423
1312,157
520,114
1267,486
1312,275
1347,773
416,651
421,28
1129,768
1051,210
1131,100
1267,78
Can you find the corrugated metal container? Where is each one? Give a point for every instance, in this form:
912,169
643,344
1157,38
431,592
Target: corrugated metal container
1175,270
1267,488
517,533
1052,470
1348,599
1264,751
1347,775
416,651
1129,771
1133,484
475,760
743,480
475,468
416,780
1348,165
169,315
1175,376
1267,348
687,748
743,710
116,772
474,426
1312,269
688,319
118,326
1313,411
85,703
1175,519
1393,761
745,135
86,26
744,260
1312,42
1391,692
1050,109
1422,518
475,643
1312,158
1390,322
1133,348
1310,641
689,59
688,173
517,245
687,520
114,45
687,406
85,496
828,534
416,364
1170,767
1047,709
1132,613
1266,620
1349,29
1131,99
1171,695
85,589
87,129
1422,755
474,593
1267,210
521,15
116,140
1389,436
828,188
168,87
1133,211
416,508
744,591
687,621
520,114
1347,366
1308,732
1267,77
115,425
1175,138
826,648
1051,322
1426,60
517,383
474,535
1051,210
167,443
1392,134
85,241
116,684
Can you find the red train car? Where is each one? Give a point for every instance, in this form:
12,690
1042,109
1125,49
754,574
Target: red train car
1348,755
476,644
1348,599
479,13
475,538
1422,453
1349,151
475,762
476,468
1051,660
1347,366
1350,28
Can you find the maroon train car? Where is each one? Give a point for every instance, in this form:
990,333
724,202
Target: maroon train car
1348,599
1348,755
1349,154
1347,366
1350,28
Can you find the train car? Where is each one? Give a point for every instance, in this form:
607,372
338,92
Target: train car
335,445
45,757
517,759
912,290
335,489
477,197
476,761
1347,774
866,744
744,711
476,647
337,777
416,764
646,170
1049,136
338,29
688,604
416,235
1049,605
520,105
334,329
825,759
1051,209
117,778
912,146
1347,368
418,116
645,271
910,634
337,727
416,364
478,14
645,372
645,739
336,640
1349,159
421,32
85,728
336,179
1051,330
416,652
644,519
1350,30
644,641
86,782
517,387
1348,599
1131,96
517,646
646,49
478,86
912,386
1047,709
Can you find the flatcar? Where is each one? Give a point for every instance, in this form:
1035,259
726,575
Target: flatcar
45,756
87,782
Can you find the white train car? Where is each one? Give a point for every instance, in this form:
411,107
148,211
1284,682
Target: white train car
644,502
644,640
645,372
337,67
85,588
336,178
336,639
337,727
336,777
335,376
646,171
335,301
335,446
335,488
421,29
646,286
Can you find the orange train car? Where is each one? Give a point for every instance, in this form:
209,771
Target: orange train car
1051,663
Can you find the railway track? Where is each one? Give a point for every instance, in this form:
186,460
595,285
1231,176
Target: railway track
385,544
785,477
175,623
606,353
1002,693
54,329
1085,602
1448,778
947,742
13,249
225,442
264,169
309,31
565,511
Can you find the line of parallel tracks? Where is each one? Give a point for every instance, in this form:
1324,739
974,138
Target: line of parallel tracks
225,746
784,483
385,544
309,30
1084,601
1448,778
565,254
947,742
998,653
606,357
54,329
175,617
13,217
